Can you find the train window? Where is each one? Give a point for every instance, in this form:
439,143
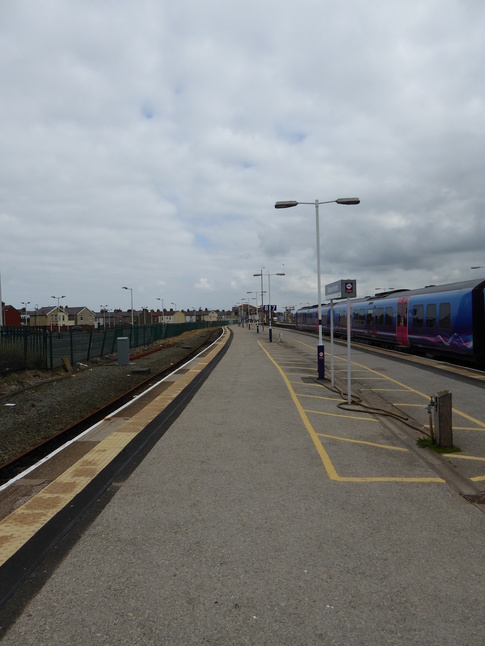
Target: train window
370,317
362,317
445,315
418,315
431,315
355,317
379,316
388,315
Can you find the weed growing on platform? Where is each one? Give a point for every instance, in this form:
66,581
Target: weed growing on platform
427,443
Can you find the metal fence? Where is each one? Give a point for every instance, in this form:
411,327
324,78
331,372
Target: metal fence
24,348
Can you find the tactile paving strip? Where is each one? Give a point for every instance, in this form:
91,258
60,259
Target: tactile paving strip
23,523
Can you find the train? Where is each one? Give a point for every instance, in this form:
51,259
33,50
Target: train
442,321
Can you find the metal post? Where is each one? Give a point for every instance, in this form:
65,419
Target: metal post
269,308
443,419
349,371
331,343
288,204
262,299
320,348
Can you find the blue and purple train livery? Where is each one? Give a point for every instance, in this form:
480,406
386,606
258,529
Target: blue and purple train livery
440,320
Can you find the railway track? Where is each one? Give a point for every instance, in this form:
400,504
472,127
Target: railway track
23,461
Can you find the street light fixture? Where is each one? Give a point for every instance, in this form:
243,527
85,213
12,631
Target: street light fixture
163,309
58,313
288,204
131,290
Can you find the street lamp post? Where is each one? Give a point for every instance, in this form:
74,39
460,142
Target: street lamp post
287,205
58,313
104,309
25,303
163,310
262,292
249,315
132,319
257,308
269,296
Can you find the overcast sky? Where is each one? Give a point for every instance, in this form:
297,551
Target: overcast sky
144,144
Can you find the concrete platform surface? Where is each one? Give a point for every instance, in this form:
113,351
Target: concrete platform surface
266,514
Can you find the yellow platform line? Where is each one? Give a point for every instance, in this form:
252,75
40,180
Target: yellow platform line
23,523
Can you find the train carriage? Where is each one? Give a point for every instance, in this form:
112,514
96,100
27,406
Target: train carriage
440,320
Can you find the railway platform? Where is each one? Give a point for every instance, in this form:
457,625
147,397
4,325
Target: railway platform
261,510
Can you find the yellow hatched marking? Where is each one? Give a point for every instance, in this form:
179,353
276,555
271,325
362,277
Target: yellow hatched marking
423,395
364,419
402,404
330,399
383,378
407,388
376,444
327,463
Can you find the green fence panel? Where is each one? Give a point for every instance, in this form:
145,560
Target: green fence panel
23,347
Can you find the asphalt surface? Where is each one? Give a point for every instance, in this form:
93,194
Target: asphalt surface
266,514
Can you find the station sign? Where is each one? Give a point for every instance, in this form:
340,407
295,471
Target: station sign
266,308
343,288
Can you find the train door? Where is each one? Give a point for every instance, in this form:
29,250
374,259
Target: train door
402,321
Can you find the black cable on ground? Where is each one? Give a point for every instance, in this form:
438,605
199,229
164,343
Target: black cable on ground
371,410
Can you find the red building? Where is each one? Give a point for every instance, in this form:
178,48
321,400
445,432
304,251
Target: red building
11,316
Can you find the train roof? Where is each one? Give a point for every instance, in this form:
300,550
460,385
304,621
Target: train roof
450,287
428,289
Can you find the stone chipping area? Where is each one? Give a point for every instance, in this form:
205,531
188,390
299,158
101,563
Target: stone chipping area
35,405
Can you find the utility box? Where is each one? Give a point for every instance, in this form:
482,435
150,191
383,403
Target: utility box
123,346
442,419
